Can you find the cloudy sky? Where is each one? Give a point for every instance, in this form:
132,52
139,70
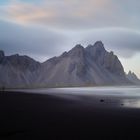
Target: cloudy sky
45,28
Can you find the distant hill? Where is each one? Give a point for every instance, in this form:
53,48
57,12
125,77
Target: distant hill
80,66
17,71
133,77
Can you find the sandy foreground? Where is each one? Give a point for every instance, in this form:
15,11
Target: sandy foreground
39,116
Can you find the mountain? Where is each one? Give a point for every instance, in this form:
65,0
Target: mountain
17,71
133,77
80,66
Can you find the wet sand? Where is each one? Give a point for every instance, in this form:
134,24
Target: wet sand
39,116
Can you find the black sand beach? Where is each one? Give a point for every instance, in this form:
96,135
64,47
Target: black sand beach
39,116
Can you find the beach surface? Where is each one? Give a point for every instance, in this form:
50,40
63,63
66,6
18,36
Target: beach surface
66,113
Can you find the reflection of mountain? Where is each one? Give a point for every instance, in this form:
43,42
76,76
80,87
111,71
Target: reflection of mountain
133,77
80,66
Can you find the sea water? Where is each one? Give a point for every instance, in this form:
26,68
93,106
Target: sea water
128,96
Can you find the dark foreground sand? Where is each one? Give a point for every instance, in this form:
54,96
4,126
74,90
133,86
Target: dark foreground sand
35,116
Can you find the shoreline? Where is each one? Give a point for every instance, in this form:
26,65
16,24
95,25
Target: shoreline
48,87
38,116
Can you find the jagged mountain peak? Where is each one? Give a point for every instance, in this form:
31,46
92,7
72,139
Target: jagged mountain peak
77,51
77,47
133,77
99,44
99,47
64,54
96,50
17,61
131,73
18,71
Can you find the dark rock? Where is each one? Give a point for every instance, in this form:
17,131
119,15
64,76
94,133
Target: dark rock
102,100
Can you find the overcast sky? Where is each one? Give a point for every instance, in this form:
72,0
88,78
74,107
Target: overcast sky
45,28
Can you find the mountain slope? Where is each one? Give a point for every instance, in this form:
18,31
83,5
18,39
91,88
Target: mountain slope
80,66
17,71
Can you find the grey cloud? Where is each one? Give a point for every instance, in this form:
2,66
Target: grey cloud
124,42
36,41
77,14
42,43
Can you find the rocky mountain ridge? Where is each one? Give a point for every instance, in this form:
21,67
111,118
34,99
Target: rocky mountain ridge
17,71
80,66
133,78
